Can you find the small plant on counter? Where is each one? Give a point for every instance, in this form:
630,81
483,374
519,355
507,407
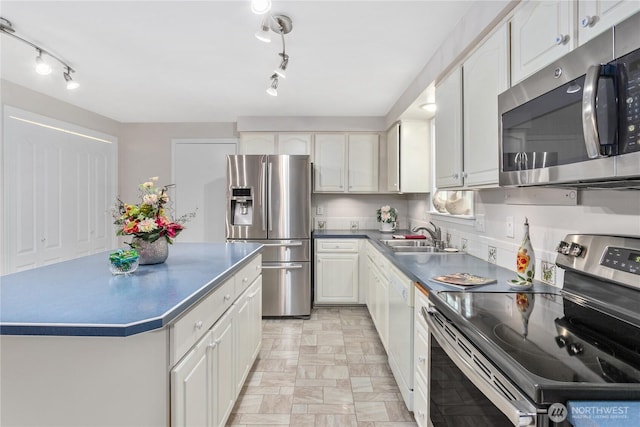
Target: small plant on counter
149,220
387,214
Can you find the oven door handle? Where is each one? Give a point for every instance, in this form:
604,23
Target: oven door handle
519,412
589,120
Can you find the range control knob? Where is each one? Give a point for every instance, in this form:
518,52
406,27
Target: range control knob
575,349
561,341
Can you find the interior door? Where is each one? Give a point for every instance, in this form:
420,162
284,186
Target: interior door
199,175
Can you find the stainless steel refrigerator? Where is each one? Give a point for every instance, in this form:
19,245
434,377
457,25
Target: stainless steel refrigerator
269,201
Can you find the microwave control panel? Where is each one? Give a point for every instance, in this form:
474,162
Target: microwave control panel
630,104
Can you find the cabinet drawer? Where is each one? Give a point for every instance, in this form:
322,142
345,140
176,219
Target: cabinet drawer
421,402
421,349
193,324
335,245
248,274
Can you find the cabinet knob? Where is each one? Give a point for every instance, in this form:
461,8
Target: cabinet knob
199,324
227,297
455,175
244,280
588,21
421,414
561,39
421,359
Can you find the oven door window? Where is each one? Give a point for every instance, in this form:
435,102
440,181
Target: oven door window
456,401
547,131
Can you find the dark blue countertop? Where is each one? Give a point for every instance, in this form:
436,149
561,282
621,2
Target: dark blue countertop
81,297
421,267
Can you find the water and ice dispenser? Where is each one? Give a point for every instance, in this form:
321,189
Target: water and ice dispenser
241,209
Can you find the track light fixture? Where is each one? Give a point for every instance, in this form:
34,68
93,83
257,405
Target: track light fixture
263,33
273,88
42,67
282,25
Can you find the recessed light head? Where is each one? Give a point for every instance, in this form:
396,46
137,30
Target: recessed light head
42,67
264,33
429,107
260,7
282,68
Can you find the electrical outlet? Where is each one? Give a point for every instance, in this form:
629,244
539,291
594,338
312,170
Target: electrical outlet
322,225
509,230
464,245
479,224
548,272
492,256
354,225
319,210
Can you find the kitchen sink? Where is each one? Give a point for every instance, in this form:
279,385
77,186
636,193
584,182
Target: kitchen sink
407,243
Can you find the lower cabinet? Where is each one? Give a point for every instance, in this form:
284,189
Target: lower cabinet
337,271
206,382
378,292
421,361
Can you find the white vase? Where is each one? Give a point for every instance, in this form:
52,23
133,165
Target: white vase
526,258
387,227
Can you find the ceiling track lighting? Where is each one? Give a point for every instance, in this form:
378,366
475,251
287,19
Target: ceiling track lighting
280,24
42,67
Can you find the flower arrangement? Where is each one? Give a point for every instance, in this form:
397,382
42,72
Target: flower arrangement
387,214
149,220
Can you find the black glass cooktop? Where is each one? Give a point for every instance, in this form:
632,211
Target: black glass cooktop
553,337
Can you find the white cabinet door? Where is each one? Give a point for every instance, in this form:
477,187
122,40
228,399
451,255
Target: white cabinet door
222,366
484,77
289,143
329,156
541,32
596,16
448,162
258,143
382,310
248,330
190,387
336,278
415,157
393,158
363,162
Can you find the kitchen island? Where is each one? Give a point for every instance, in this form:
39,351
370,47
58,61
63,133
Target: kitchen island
82,347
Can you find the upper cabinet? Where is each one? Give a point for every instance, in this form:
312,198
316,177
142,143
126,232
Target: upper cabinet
485,75
541,32
467,128
346,162
272,143
448,161
408,157
595,16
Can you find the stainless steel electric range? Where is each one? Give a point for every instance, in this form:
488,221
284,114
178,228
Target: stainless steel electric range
532,357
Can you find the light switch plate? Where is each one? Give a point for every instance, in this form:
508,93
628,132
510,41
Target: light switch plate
479,224
319,210
509,230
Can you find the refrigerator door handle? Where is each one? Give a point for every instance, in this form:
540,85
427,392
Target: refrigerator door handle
263,191
281,267
269,214
292,244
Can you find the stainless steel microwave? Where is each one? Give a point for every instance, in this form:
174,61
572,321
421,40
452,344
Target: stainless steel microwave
577,121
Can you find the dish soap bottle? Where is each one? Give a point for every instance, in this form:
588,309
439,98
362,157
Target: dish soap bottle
526,260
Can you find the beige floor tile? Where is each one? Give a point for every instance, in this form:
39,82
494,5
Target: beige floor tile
336,395
331,409
336,420
303,420
398,411
280,379
248,404
308,395
371,411
385,396
276,404
332,372
264,419
361,385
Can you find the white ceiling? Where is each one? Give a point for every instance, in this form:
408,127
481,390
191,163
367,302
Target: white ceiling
198,61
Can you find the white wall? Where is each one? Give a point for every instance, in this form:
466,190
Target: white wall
614,212
145,151
340,210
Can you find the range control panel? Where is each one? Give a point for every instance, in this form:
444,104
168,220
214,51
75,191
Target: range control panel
622,259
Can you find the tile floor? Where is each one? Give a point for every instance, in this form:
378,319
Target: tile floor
330,370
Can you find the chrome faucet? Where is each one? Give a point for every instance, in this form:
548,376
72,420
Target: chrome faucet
436,234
